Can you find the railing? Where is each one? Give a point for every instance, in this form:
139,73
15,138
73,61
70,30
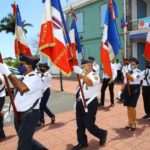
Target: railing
138,24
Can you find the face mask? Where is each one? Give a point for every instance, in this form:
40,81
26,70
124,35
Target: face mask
22,69
42,70
133,67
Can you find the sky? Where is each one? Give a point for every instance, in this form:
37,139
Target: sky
32,12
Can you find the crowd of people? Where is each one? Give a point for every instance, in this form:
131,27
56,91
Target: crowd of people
31,100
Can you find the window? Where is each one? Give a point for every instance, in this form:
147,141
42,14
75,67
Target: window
80,21
103,9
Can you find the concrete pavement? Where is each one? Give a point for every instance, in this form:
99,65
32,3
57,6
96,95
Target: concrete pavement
62,134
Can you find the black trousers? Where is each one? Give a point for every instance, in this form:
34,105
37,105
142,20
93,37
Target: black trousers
43,105
25,130
146,99
2,134
87,121
103,89
119,76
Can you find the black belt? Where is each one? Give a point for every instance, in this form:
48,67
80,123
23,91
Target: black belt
80,100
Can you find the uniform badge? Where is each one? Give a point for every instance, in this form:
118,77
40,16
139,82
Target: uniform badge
96,77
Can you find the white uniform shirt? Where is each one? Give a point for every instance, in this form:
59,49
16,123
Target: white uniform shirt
2,85
118,66
91,91
35,84
137,76
127,67
145,72
46,79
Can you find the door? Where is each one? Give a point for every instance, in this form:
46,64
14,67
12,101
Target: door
141,9
140,52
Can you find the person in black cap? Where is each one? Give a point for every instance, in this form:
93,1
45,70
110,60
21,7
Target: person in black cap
27,101
46,77
86,120
95,65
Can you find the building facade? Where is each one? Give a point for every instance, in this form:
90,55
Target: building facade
138,14
90,22
91,13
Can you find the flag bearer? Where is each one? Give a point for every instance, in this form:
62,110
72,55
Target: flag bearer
146,90
27,101
132,92
46,77
86,120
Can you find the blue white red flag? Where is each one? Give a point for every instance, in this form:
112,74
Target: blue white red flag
21,45
147,47
76,35
110,40
57,52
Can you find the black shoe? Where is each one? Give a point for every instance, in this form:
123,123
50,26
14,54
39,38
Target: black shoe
53,120
112,105
79,146
146,116
103,139
3,137
127,127
100,104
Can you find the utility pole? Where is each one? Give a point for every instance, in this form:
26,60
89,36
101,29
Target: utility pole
61,82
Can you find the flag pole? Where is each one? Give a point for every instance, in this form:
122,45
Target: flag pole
66,34
128,85
10,94
14,6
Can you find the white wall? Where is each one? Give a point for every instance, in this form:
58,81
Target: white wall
134,49
134,9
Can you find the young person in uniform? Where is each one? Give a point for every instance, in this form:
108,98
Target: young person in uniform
132,93
27,101
86,120
46,77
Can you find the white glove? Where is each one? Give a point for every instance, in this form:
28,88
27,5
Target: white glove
77,70
4,69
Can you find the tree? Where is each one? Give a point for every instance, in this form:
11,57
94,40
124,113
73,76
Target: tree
7,24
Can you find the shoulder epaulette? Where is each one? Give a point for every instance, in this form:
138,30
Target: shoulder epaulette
31,75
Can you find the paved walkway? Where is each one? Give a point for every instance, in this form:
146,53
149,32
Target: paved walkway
62,135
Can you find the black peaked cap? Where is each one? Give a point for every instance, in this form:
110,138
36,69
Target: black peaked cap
28,59
83,61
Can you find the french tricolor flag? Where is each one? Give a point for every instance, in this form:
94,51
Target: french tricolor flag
46,34
55,49
147,47
21,45
110,41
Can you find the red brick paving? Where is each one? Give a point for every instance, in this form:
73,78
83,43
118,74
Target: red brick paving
62,135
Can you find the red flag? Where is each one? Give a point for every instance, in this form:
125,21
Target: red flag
21,45
147,47
105,59
52,43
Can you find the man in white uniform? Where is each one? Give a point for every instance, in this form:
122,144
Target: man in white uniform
27,101
86,120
